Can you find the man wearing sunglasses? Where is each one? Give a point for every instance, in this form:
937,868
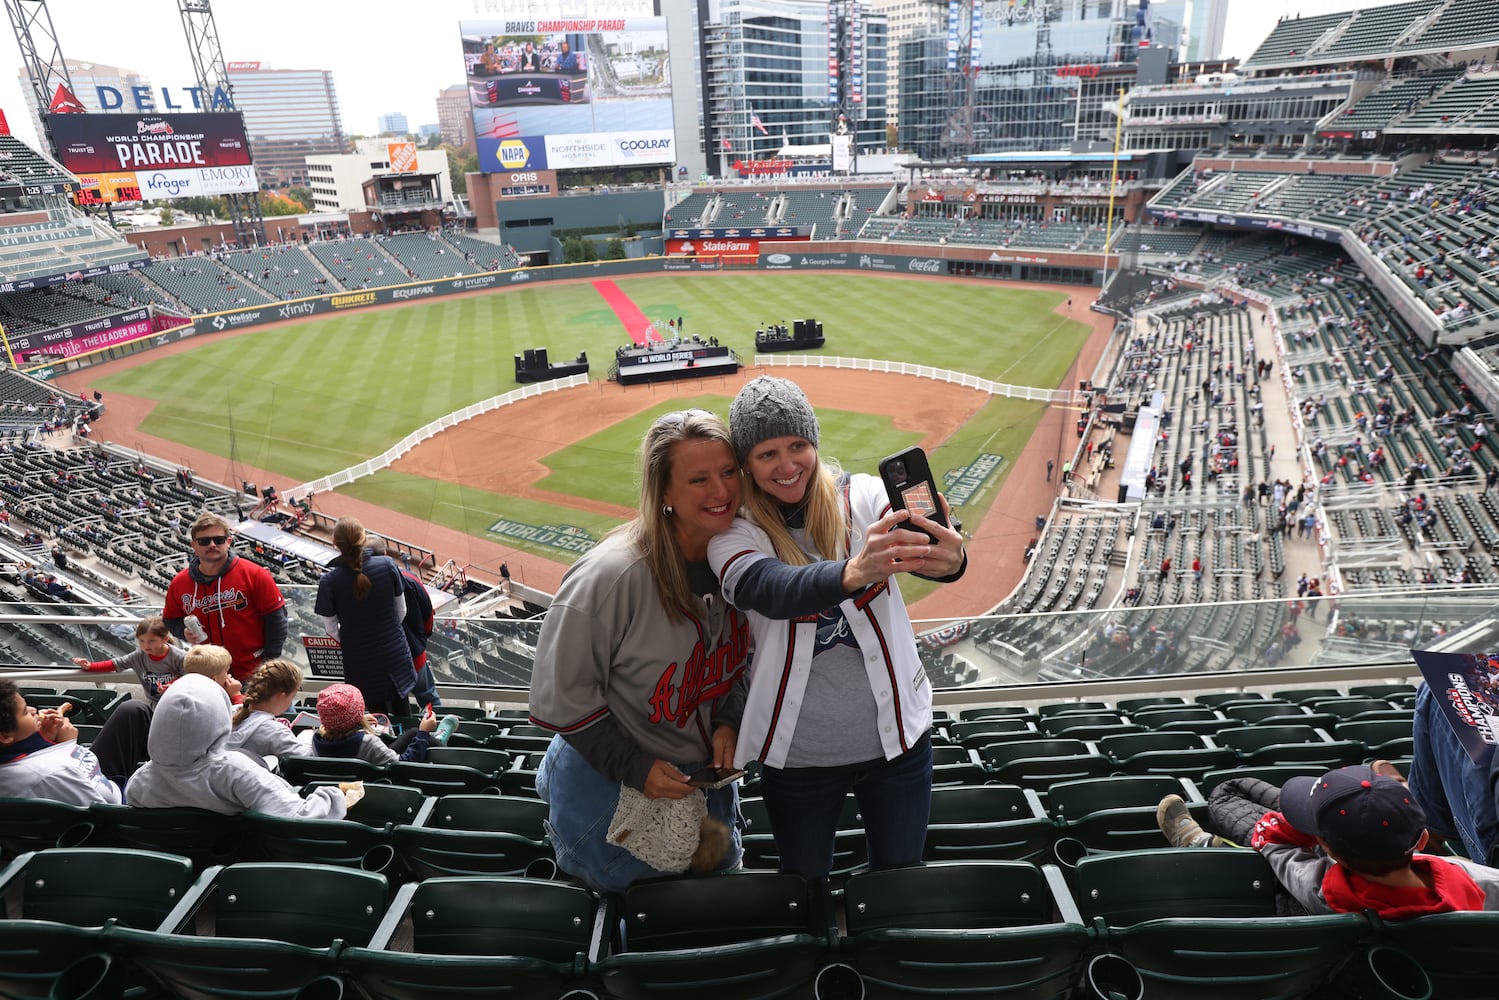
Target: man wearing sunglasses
236,601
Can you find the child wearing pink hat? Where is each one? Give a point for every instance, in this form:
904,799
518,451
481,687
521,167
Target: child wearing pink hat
346,731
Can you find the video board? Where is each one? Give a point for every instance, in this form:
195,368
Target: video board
148,156
559,93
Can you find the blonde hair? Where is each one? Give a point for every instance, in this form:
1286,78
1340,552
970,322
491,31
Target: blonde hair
271,678
348,537
208,520
652,533
825,522
208,660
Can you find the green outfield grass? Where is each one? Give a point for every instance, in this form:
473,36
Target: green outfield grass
306,400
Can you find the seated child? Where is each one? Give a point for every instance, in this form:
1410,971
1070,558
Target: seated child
157,661
190,766
1348,842
40,756
347,732
258,727
214,662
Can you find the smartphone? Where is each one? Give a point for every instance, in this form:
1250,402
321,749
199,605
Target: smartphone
910,486
714,777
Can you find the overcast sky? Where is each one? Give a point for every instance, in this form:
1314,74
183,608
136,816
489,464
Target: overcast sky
385,56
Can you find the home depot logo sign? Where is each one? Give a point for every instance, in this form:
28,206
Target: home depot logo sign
402,157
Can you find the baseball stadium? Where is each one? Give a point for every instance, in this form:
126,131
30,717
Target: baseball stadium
1203,359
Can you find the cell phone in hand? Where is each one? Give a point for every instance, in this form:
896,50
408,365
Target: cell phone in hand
910,486
712,778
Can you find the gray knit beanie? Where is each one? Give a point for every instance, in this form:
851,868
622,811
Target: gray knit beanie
769,407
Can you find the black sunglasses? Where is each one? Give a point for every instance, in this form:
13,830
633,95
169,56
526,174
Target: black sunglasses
210,539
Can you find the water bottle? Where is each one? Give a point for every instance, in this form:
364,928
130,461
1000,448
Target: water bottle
192,630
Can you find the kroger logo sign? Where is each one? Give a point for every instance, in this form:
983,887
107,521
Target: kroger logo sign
162,183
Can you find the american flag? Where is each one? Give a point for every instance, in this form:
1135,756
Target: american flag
757,123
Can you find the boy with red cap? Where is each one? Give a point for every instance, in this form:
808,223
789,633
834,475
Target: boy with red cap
1348,841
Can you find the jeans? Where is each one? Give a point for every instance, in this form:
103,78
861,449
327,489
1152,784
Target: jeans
582,805
1455,793
895,801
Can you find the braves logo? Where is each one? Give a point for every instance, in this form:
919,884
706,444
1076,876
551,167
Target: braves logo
232,599
704,677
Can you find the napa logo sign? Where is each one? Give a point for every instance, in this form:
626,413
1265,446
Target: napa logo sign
528,152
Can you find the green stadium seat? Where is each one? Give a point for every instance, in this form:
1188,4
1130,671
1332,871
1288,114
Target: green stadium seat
1129,706
980,929
443,779
28,824
1117,813
1215,698
206,838
1200,922
258,932
1038,763
491,762
732,936
1291,744
64,897
477,835
305,770
850,851
1381,738
1455,949
1275,774
481,937
988,822
1173,752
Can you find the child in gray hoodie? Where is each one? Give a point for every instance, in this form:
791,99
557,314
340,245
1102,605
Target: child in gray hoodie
190,765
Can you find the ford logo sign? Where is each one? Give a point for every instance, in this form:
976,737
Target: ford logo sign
778,258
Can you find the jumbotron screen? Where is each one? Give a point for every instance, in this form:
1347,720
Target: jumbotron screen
155,156
558,93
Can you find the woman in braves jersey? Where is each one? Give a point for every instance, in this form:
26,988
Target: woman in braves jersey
838,700
639,659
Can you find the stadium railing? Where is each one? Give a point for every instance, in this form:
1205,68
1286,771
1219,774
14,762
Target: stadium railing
1013,658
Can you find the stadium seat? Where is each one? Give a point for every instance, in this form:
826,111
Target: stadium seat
305,770
28,824
1173,752
990,929
731,936
65,896
1381,738
258,931
994,712
1289,745
1117,813
1215,698
1200,922
849,848
1275,774
317,841
988,822
442,779
977,732
472,937
1455,949
1130,706
206,838
477,835
491,762
1038,763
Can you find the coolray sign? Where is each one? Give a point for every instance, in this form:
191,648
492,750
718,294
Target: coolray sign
645,147
566,537
90,144
143,100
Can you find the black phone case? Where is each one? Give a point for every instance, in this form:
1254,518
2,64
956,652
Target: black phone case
918,473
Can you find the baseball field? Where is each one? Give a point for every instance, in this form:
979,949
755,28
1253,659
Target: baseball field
302,400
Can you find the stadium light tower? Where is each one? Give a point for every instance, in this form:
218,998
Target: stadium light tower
213,74
42,56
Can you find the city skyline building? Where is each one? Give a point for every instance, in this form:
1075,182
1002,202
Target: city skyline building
392,123
88,77
290,114
455,117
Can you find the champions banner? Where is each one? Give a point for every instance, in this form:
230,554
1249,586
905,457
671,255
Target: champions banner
95,144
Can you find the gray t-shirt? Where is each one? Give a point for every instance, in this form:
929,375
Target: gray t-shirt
839,722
